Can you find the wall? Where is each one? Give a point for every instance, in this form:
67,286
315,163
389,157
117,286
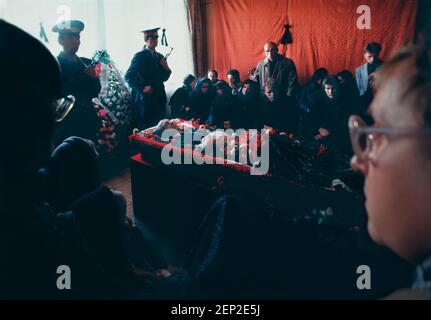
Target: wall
325,33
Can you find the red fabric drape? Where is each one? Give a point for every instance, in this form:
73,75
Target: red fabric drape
197,26
324,32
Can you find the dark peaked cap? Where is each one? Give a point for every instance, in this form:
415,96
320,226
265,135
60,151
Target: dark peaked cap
69,27
150,30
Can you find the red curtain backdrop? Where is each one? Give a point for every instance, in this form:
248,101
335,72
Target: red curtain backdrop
324,32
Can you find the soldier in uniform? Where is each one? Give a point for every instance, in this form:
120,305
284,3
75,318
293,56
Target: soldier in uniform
146,75
80,80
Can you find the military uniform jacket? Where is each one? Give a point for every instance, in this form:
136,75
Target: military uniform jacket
82,120
145,70
76,82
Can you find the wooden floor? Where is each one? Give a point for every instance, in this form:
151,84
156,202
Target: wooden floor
122,183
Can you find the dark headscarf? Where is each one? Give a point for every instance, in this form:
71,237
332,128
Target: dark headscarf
250,117
189,79
72,171
200,103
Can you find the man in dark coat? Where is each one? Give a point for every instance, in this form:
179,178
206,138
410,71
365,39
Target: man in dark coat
146,75
282,70
80,80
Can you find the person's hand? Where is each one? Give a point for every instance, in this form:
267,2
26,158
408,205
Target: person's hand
164,63
146,280
324,132
163,273
90,71
148,89
205,126
272,131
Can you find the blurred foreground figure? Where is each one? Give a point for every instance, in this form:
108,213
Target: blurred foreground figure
37,244
394,155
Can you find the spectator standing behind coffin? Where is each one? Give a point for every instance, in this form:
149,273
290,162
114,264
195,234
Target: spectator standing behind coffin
179,101
250,74
279,68
213,76
350,92
234,81
276,110
78,79
200,99
224,112
310,96
373,62
248,100
146,76
348,83
329,119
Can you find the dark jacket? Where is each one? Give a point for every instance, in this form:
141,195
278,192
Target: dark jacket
284,74
311,94
333,115
145,70
224,108
279,114
179,102
82,120
200,104
35,242
250,116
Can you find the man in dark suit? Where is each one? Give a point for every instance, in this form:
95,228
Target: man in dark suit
78,79
146,75
279,68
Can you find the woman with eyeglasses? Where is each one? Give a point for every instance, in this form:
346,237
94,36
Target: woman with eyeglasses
394,155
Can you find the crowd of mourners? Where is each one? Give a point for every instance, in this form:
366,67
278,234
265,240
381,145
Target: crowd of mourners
271,97
57,214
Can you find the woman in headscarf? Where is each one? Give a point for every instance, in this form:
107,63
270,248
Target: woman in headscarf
200,99
179,101
310,96
248,99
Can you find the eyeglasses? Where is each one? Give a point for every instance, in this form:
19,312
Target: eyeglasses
153,37
363,136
